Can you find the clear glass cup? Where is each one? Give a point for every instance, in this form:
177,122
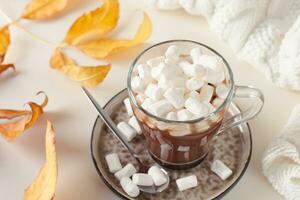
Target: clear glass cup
184,144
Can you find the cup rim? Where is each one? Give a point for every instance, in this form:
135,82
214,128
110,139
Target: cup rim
132,97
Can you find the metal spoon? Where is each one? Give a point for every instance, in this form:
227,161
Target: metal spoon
112,126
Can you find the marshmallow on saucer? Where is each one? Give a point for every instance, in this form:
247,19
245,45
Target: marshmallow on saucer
222,91
160,108
134,124
173,53
196,107
113,162
126,171
128,107
219,168
154,62
175,96
154,92
206,93
129,187
127,131
194,83
187,182
157,175
137,84
142,179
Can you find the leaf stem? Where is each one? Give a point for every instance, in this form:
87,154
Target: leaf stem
32,35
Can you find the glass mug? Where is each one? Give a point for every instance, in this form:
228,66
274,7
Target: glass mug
167,142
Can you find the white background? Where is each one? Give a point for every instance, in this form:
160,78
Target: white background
73,116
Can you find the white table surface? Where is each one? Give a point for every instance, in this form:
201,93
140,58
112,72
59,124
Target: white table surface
73,116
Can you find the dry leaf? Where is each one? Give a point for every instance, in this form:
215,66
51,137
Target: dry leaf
43,9
4,42
4,67
88,76
103,47
43,187
12,130
94,24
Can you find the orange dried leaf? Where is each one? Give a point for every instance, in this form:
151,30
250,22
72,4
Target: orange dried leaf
87,76
4,67
43,9
12,130
94,24
4,42
43,187
103,47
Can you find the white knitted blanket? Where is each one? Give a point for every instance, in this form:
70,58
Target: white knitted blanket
265,33
281,160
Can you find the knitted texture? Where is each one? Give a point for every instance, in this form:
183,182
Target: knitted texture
281,159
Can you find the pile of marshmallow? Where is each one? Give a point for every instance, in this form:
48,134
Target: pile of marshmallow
180,86
130,179
128,176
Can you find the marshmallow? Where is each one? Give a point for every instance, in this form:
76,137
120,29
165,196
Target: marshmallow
191,69
184,115
171,116
129,187
196,107
193,94
113,162
210,107
128,106
144,72
137,84
179,133
155,61
165,69
147,103
160,108
127,131
126,171
222,91
219,168
183,148
187,182
134,124
194,84
173,53
212,62
206,93
142,179
154,92
157,175
169,80
214,77
196,53
175,96
217,102
140,98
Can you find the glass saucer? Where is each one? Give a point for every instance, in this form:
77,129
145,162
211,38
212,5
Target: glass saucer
233,148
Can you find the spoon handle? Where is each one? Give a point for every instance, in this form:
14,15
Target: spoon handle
110,124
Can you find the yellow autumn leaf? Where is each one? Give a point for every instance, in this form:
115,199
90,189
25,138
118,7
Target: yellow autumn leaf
43,187
12,130
87,76
101,48
4,67
94,24
4,42
43,9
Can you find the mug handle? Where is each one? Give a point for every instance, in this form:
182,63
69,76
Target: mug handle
247,114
